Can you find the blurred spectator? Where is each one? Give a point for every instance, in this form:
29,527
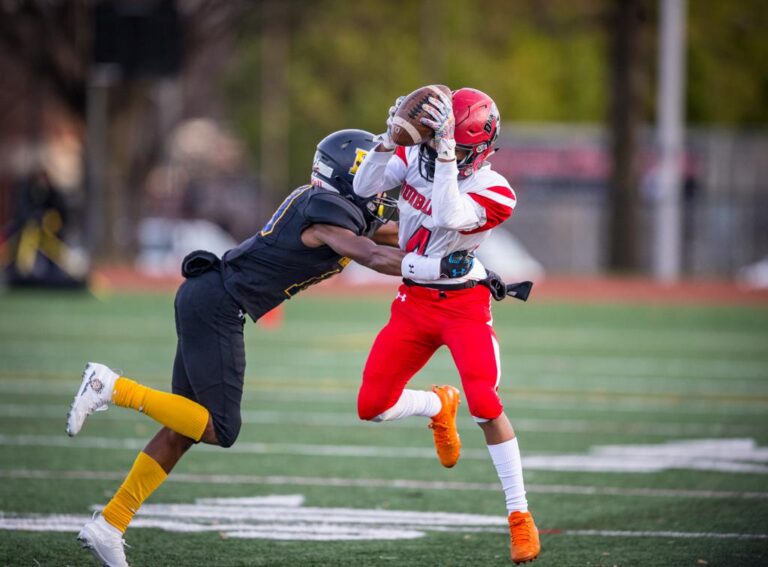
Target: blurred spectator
40,235
204,177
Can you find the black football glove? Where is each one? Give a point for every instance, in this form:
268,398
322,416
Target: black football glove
497,286
457,264
500,290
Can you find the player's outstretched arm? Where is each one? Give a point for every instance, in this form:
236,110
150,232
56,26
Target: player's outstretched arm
387,235
362,250
384,259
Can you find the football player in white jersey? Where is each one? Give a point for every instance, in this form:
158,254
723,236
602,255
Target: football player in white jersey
450,199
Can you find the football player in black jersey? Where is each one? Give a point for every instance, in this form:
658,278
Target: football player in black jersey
314,233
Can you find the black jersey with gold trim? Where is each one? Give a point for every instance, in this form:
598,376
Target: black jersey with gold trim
274,264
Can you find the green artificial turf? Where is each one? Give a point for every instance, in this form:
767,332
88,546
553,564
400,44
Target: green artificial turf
575,377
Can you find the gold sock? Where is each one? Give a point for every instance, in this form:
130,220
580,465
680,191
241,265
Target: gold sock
178,413
145,476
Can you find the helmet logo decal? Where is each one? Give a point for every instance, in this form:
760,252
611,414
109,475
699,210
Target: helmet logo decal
492,117
488,126
322,168
359,156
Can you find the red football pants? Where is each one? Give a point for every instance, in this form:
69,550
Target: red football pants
421,321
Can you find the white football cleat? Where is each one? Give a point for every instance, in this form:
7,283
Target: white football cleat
94,394
104,541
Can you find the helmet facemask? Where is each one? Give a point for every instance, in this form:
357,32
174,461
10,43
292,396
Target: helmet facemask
471,161
381,207
427,158
475,155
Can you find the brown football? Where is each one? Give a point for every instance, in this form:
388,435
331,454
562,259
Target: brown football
407,129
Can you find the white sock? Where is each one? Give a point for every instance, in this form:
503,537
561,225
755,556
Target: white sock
412,402
506,459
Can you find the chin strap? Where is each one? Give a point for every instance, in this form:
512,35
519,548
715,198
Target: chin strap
500,290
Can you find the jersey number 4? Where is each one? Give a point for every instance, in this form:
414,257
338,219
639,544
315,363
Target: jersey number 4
418,241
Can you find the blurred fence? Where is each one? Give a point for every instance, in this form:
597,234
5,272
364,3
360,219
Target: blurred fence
560,172
560,175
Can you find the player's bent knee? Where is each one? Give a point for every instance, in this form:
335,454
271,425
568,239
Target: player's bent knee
376,395
227,432
368,412
485,410
369,409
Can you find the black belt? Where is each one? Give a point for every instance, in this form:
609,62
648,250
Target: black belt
442,287
499,290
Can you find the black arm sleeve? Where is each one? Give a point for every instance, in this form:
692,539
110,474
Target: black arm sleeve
333,209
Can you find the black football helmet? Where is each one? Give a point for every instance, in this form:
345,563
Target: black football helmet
336,161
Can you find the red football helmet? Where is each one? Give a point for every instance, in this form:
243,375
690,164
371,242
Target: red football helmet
477,128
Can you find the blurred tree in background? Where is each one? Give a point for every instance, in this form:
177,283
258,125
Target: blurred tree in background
349,61
727,62
541,61
283,74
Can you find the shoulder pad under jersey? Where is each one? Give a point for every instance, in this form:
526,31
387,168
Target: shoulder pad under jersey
486,177
326,207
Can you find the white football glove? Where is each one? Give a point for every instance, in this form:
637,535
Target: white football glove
385,139
443,123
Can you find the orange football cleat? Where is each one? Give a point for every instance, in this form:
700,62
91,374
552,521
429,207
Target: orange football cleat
523,537
443,426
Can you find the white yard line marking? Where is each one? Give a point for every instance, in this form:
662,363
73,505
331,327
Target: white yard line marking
663,534
719,455
338,419
626,368
601,399
568,368
335,482
119,443
529,402
285,518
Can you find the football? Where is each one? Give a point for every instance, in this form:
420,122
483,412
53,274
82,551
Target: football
407,129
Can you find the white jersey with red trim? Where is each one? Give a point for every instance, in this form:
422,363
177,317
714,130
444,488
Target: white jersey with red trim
463,219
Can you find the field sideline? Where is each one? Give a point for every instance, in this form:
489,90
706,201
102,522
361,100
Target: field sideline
644,430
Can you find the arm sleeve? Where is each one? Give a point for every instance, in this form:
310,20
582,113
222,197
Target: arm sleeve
451,209
379,172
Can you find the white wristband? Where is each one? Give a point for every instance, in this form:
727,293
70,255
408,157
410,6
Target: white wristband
417,267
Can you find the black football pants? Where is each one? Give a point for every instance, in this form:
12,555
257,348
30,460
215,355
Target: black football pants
210,353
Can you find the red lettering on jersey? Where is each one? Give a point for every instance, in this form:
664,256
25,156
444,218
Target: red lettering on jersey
416,199
496,212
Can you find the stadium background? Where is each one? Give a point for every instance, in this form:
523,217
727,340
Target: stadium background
132,132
